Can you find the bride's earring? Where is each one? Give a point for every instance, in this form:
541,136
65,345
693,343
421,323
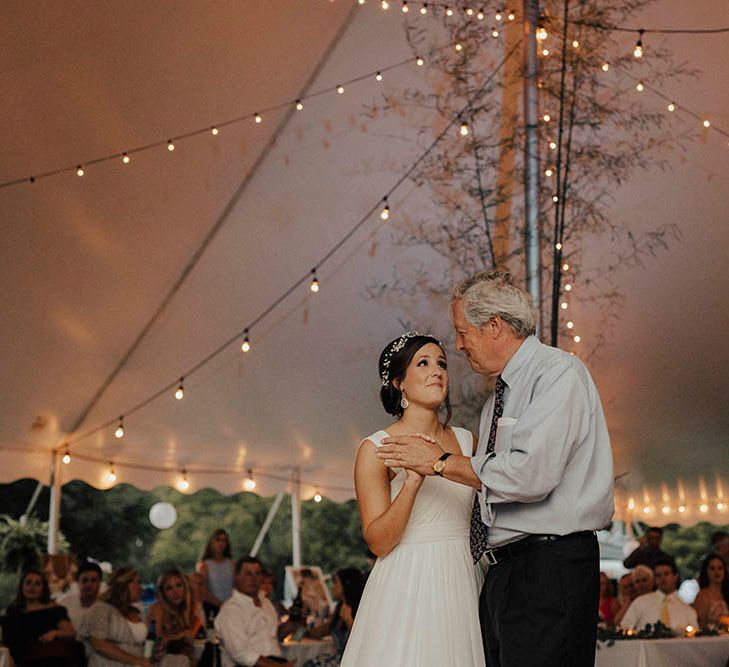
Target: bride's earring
404,402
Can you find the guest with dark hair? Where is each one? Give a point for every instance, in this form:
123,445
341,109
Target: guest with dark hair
712,601
78,602
247,622
268,588
663,604
175,616
608,602
720,545
648,551
37,630
216,568
114,628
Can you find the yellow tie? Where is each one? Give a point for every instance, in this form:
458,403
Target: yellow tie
665,616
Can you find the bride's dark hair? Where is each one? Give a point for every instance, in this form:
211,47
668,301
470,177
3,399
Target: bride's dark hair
399,360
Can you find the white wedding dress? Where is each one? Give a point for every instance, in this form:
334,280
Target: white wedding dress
420,604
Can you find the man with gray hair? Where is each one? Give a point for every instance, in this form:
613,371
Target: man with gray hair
544,476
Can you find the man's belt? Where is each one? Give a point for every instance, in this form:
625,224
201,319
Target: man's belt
519,547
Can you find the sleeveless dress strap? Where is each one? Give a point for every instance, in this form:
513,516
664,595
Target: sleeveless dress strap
465,440
376,437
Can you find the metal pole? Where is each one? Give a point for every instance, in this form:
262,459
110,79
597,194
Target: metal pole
296,517
531,155
54,510
267,523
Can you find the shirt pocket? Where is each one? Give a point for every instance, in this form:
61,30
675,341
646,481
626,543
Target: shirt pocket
504,433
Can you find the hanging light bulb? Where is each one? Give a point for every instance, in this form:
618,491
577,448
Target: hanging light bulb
605,66
552,145
666,509
66,457
720,506
340,89
214,131
299,105
546,117
448,11
640,87
545,52
459,46
494,33
469,11
570,325
565,267
555,198
548,171
682,508
183,484
249,483
568,288
405,8
119,433
170,145
638,50
575,44
385,4
385,212
419,61
671,106
563,305
541,32
246,344
79,171
314,287
111,475
558,246
180,393
499,16
707,123
424,9
511,16
258,118
463,128
317,497
378,76
577,339
361,2
125,158
703,508
481,16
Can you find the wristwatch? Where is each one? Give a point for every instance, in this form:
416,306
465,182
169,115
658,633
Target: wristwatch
439,465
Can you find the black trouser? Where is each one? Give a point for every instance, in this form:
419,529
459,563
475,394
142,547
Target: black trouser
540,608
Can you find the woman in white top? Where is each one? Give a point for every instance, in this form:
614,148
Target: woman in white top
420,604
114,629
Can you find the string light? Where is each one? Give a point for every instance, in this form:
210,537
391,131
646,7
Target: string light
459,46
494,33
481,16
125,158
568,288
720,506
170,145
682,508
575,44
249,483
671,106
340,89
545,52
119,433
640,87
317,497
577,339
542,33
605,66
469,11
638,50
183,484
180,393
558,246
707,123
314,287
565,267
546,118
555,198
419,61
666,509
424,9
448,11
548,171
214,131
511,16
67,457
378,76
405,8
258,118
498,16
246,344
570,325
111,476
385,4
552,145
563,305
385,212
463,128
361,2
79,170
299,105
703,508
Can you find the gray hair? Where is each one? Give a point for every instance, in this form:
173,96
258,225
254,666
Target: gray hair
492,293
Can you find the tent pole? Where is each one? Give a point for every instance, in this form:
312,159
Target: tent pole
267,523
296,517
54,510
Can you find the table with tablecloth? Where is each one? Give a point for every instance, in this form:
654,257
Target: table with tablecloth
678,652
300,651
4,656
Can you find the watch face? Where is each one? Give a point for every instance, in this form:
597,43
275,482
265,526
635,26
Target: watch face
439,465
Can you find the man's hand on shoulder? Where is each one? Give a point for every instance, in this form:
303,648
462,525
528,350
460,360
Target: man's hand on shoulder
416,452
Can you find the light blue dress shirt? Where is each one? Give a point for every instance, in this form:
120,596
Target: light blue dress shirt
552,469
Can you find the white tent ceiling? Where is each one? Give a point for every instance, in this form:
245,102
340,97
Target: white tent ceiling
86,262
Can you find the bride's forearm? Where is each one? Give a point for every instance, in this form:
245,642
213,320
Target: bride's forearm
385,532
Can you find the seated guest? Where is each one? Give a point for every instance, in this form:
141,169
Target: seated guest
643,580
720,545
648,551
347,591
37,630
247,622
216,568
79,602
268,588
662,605
626,594
712,601
113,628
608,602
176,619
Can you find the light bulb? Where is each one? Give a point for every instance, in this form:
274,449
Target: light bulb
80,170
314,287
246,344
555,198
646,510
317,497
361,2
494,33
469,11
545,52
119,433
631,504
385,212
511,16
565,267
378,76
419,61
666,509
170,145
111,476
258,118
249,483
214,131
449,11
125,158
424,9
183,484
570,325
640,87
542,33
707,123
499,16
563,305
682,508
66,458
558,246
180,393
548,171
568,288
605,67
480,16
405,8
703,508
638,50
463,128
720,506
552,145
384,4
299,105
575,44
340,89
546,117
459,46
671,106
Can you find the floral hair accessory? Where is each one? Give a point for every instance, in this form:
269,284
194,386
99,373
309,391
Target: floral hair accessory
394,348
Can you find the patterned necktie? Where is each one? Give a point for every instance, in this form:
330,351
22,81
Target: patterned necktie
665,614
479,531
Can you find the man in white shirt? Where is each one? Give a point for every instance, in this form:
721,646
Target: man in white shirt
79,602
661,605
544,475
248,623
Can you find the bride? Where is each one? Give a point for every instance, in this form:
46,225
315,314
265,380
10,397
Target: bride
420,604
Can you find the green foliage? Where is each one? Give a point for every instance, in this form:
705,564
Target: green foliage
22,542
689,545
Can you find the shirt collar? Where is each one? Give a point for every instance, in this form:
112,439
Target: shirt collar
242,598
519,360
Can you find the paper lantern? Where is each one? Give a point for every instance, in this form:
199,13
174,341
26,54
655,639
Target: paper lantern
162,515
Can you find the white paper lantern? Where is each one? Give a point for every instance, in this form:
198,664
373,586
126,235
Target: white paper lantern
162,515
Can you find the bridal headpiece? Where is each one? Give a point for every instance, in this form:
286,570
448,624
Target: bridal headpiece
394,348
